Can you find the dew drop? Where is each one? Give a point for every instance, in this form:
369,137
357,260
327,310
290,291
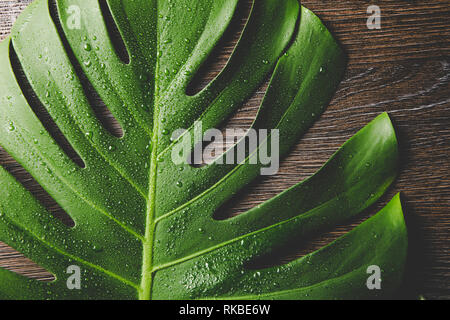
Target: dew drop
97,248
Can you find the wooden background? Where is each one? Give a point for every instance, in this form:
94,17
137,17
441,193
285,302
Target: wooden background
404,69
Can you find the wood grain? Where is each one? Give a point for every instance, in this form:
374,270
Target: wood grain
404,69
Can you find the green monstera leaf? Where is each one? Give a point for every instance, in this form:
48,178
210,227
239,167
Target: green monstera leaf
144,226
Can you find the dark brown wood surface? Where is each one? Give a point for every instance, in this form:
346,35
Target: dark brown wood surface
402,68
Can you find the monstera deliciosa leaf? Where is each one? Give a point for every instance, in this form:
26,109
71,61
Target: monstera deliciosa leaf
144,226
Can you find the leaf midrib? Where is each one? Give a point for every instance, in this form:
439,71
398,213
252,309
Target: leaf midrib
148,270
145,289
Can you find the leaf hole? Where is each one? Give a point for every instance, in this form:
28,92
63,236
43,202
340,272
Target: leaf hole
114,33
30,184
100,109
303,160
16,262
233,129
264,188
301,246
41,112
222,52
